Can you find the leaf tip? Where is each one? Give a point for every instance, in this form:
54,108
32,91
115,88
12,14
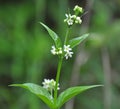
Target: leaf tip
42,24
14,85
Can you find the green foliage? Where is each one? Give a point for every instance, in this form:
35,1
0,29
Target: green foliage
53,35
44,95
76,41
73,42
39,91
71,92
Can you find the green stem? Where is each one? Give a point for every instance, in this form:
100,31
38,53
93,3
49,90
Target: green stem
59,69
57,78
66,37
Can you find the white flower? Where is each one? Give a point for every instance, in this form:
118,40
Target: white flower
68,54
68,16
70,22
56,51
69,19
78,20
49,84
53,51
73,16
67,48
68,51
46,83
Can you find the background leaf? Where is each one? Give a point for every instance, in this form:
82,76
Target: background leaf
76,41
53,35
42,93
71,92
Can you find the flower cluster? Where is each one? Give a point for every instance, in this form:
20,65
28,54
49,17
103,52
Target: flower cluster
49,84
67,51
78,10
71,19
56,51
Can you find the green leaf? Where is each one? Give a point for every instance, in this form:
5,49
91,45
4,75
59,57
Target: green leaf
76,41
39,91
53,35
71,92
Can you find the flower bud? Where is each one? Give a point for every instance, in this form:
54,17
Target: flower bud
78,10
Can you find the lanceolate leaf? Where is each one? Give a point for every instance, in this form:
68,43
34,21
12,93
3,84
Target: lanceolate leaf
53,35
71,92
39,91
76,41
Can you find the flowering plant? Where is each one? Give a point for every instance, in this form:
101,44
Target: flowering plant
48,93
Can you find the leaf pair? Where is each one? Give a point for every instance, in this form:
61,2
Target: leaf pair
45,96
73,42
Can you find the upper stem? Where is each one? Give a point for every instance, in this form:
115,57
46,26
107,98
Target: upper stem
59,68
66,37
57,77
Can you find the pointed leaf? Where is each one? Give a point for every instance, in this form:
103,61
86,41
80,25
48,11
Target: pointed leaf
76,41
71,92
39,91
53,35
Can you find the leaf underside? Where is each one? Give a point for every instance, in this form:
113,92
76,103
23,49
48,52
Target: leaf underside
39,91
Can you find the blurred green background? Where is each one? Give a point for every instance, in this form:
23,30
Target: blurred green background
25,52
